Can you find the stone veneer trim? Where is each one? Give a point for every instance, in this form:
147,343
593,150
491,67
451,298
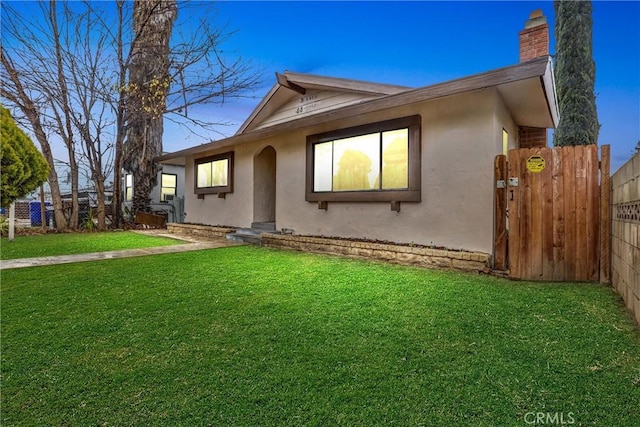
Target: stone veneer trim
207,231
388,252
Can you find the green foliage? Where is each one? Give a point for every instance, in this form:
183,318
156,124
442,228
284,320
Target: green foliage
575,74
24,168
248,336
89,223
4,226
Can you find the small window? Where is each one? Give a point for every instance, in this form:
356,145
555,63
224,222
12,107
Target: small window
214,174
128,187
168,186
376,162
505,142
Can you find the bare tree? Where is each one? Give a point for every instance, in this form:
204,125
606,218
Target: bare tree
76,75
92,117
66,80
201,71
33,83
118,107
197,73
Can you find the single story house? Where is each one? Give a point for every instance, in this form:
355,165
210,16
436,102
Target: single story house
325,156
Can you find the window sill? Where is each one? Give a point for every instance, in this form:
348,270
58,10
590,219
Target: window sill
367,196
221,194
324,205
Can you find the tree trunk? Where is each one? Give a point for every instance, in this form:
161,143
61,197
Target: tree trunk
102,223
66,110
148,86
43,210
75,177
54,185
116,201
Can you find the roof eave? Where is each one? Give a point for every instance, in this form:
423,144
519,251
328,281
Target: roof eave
535,68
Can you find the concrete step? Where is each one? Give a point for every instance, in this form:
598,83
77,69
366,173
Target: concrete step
247,235
264,226
252,235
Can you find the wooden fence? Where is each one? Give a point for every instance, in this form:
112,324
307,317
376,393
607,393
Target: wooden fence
549,213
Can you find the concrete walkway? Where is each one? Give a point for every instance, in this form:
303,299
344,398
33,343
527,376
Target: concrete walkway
189,245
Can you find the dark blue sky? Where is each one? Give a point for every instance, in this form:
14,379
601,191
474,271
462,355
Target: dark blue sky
415,43
422,43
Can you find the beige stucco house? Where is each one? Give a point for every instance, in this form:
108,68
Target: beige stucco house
326,156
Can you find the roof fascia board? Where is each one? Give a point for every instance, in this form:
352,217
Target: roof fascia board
549,87
284,81
306,80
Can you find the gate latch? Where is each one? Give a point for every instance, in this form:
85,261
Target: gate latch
500,183
513,182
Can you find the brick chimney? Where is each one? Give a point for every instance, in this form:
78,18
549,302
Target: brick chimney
534,39
534,43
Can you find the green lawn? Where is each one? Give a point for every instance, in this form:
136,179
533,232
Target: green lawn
244,336
77,243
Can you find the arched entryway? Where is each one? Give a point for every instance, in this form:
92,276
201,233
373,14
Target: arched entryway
264,186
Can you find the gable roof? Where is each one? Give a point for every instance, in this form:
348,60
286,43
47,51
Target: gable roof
528,90
292,90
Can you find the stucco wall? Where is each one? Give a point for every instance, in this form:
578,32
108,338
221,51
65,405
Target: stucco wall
172,169
625,233
236,209
461,135
503,120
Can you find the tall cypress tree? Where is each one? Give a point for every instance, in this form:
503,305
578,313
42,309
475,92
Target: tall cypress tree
575,73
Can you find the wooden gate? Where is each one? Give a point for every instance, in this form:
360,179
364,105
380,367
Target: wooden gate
549,213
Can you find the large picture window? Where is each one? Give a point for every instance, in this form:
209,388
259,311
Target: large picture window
214,174
376,162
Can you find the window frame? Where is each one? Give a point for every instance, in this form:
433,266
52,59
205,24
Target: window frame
412,194
175,189
219,189
128,197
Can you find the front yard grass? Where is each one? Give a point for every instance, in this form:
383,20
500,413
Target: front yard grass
77,243
245,336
